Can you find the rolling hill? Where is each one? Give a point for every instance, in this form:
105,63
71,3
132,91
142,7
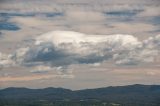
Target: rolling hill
131,95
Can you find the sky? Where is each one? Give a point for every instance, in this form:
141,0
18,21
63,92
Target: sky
79,44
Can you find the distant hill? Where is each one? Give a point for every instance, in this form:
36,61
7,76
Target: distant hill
146,95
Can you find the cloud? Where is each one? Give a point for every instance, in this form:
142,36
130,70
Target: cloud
125,25
47,5
150,11
64,48
41,69
5,60
79,48
133,27
153,42
30,21
82,16
32,78
145,53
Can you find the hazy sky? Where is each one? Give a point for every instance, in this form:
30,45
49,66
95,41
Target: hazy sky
79,44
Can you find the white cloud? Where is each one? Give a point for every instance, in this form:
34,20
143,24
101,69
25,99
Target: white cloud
41,69
88,48
19,55
147,53
80,43
5,60
63,48
58,48
153,42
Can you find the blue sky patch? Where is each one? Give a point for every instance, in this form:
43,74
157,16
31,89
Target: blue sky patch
53,14
124,13
7,15
8,26
156,20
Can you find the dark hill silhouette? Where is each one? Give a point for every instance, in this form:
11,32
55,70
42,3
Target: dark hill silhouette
148,94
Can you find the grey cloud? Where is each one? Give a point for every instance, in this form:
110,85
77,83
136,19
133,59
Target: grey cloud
146,53
44,52
47,53
84,16
58,50
110,48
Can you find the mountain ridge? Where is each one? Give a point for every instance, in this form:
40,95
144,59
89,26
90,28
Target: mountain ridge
79,89
130,94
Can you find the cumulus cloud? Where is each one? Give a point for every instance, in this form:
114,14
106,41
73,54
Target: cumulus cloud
41,69
59,49
5,60
146,52
77,48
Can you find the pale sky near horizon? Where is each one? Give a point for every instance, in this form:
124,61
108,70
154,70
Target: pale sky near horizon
79,44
